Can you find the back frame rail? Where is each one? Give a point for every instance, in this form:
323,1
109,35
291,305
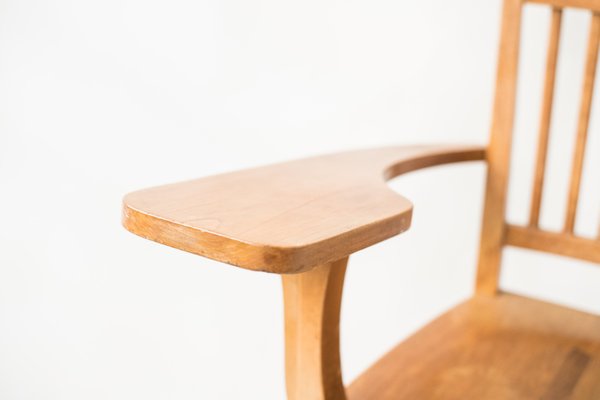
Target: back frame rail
592,5
560,243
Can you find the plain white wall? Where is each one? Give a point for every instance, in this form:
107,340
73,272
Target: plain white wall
101,98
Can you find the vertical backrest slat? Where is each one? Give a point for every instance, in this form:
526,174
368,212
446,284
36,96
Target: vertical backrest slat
538,184
583,123
498,154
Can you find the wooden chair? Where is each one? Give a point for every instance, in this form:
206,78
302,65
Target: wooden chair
303,219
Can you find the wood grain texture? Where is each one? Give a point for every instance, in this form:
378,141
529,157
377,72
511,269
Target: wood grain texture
289,217
583,123
312,318
546,117
502,347
498,154
567,376
593,5
304,218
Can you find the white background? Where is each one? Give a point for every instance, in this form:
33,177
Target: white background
101,98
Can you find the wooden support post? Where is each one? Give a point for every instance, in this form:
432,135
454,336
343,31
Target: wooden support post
498,154
312,313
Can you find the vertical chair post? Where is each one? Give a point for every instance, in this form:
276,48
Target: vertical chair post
498,154
312,303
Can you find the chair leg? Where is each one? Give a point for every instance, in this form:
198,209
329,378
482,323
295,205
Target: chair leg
312,302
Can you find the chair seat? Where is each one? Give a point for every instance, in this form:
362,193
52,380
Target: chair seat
502,347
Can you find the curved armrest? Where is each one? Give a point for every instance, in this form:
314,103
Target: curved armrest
289,217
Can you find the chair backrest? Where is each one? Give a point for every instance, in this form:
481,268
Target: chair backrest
496,232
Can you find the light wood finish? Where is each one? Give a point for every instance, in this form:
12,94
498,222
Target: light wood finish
584,121
289,217
498,154
304,218
564,244
312,311
538,186
504,347
593,5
